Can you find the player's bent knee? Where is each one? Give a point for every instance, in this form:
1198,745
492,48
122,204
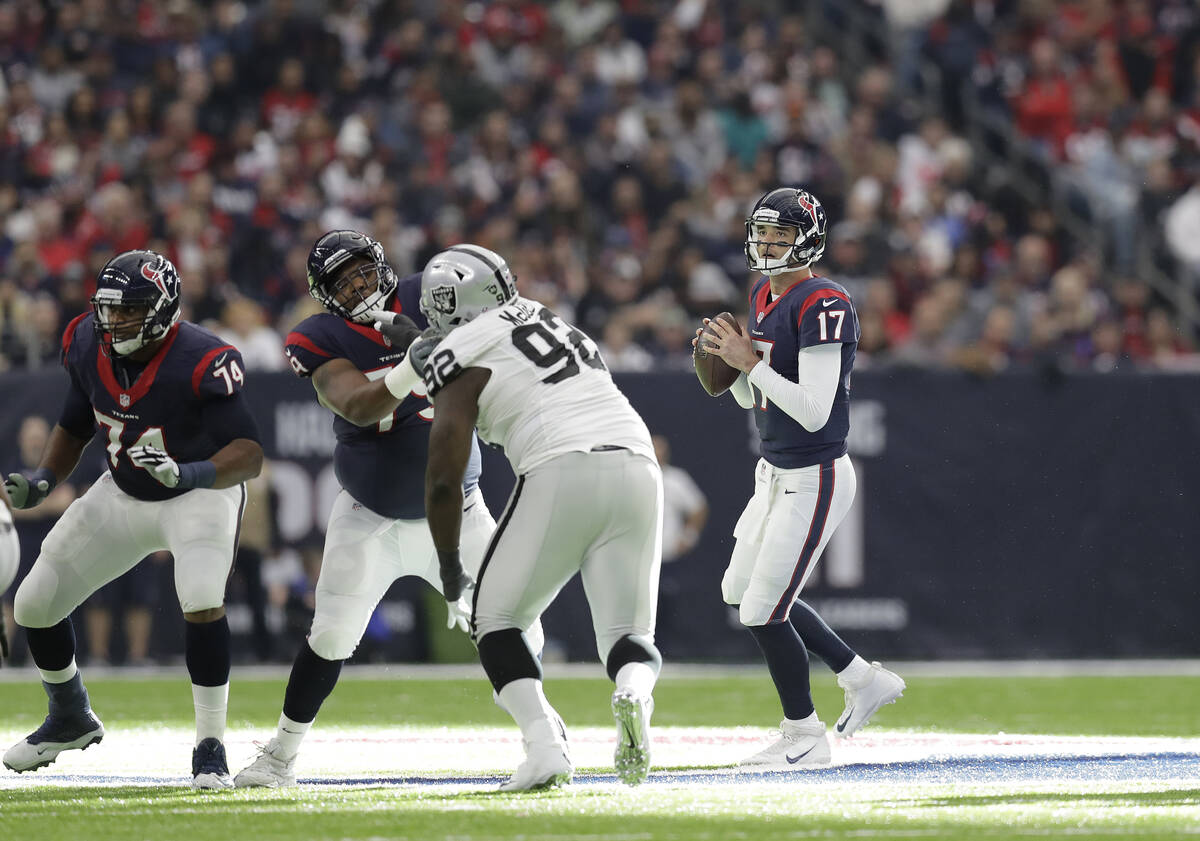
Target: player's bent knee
754,615
632,649
332,643
34,604
506,657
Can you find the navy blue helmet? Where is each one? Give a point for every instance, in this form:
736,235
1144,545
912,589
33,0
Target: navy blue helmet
136,301
791,208
354,293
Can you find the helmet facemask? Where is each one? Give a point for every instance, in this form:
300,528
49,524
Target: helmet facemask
355,292
762,235
125,327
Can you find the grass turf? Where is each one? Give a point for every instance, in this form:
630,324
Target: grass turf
1097,706
761,809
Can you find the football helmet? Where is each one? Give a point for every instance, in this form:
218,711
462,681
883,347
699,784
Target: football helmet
787,207
143,280
463,282
351,294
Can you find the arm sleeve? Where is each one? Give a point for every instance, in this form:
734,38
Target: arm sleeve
810,400
229,418
742,392
76,417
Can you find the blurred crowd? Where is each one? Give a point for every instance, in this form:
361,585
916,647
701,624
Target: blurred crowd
610,150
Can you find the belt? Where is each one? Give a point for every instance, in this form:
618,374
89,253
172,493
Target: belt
608,448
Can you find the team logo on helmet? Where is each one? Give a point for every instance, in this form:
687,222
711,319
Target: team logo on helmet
444,299
155,276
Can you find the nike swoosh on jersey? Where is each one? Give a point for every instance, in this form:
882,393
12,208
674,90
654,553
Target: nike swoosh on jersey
830,302
220,359
790,492
793,760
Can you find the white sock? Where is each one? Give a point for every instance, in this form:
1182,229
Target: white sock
638,678
811,718
212,704
527,704
289,735
60,675
856,673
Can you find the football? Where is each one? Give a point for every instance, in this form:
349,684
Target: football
711,370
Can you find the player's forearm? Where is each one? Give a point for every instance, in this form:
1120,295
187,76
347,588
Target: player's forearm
809,400
742,392
368,404
62,453
236,462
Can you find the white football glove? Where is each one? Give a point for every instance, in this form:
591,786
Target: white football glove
157,463
459,613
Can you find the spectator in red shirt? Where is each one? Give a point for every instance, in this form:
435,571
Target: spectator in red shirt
1043,107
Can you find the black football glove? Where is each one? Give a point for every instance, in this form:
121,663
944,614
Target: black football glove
25,490
398,330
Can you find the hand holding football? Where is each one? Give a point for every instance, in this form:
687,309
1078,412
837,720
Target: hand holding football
713,372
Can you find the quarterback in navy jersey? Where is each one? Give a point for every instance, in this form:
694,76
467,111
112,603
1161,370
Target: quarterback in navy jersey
377,530
796,357
165,398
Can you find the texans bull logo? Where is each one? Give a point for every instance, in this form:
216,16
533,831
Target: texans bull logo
155,276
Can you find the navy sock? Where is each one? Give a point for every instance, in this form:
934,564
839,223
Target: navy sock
208,652
52,648
787,660
820,638
69,699
312,679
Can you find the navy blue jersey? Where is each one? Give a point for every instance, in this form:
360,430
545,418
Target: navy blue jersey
175,402
381,465
814,311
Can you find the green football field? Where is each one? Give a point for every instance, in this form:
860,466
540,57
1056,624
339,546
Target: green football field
415,753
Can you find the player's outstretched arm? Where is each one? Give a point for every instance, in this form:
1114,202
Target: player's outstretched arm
344,389
449,451
63,449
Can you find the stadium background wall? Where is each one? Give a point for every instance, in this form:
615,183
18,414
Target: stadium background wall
1017,517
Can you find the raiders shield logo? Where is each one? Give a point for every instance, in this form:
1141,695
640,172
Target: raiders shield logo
445,299
124,401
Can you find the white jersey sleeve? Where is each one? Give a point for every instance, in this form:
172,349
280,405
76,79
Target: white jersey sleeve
550,392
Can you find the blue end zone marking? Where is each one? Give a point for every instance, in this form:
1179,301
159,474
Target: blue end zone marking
1117,767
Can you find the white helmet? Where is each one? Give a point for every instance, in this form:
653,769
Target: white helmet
463,282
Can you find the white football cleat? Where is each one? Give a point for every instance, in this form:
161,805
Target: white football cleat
268,770
42,746
632,756
864,700
209,768
545,766
798,746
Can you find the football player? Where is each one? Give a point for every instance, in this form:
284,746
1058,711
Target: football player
588,498
10,559
377,530
795,357
165,397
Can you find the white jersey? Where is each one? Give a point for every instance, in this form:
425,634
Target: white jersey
549,392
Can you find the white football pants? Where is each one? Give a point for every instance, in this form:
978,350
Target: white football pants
597,513
781,535
106,532
365,552
10,549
